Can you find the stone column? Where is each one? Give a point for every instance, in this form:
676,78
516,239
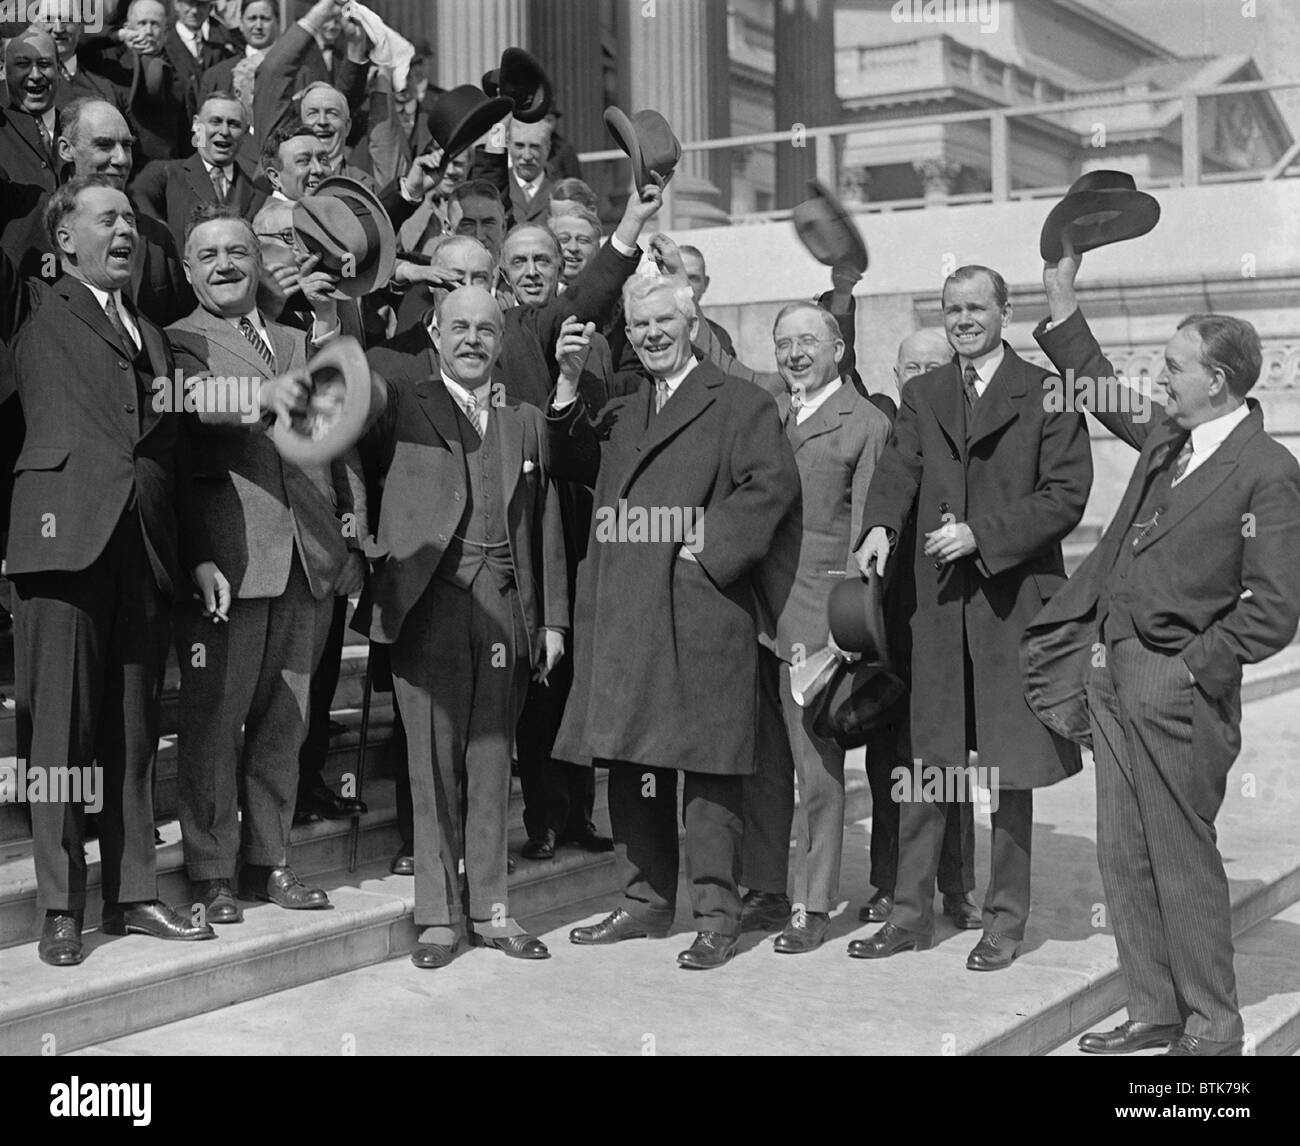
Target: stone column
565,38
676,62
471,34
805,88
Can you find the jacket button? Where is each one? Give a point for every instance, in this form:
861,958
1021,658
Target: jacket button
121,365
128,409
955,455
442,537
456,495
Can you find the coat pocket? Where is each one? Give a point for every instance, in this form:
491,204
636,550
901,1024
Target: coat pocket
42,458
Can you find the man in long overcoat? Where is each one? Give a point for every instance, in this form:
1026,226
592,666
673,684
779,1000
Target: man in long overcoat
692,475
997,479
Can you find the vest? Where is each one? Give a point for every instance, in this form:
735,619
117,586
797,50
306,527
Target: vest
480,541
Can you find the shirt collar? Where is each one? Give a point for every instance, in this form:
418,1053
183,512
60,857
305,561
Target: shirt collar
280,195
530,187
825,392
986,365
192,38
101,295
70,64
254,316
1210,435
457,391
49,119
675,380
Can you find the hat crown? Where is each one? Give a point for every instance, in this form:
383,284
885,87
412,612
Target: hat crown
1102,180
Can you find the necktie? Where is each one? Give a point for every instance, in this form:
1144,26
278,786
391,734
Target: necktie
47,140
115,321
662,394
220,184
796,404
476,414
1182,461
968,380
258,343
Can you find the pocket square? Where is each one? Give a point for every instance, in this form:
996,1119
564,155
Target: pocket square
529,466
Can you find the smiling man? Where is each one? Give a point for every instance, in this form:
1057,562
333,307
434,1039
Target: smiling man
529,146
27,126
295,160
577,231
996,481
530,260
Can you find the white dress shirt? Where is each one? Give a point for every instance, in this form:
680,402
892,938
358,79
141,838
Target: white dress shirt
482,396
986,365
531,187
193,41
812,405
101,297
1209,436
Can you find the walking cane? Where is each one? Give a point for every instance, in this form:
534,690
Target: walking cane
361,757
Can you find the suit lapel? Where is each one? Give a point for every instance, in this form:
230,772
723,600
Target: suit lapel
224,334
827,417
441,411
152,339
86,307
997,405
197,177
693,397
284,341
25,128
510,432
947,403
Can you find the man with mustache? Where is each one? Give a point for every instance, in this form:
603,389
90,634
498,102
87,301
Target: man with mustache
281,537
101,542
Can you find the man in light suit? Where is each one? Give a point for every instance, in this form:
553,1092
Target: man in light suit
287,540
470,593
100,534
1197,574
836,435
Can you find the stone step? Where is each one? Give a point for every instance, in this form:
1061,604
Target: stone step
1267,964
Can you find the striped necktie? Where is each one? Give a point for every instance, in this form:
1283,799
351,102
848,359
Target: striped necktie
662,394
1182,461
258,343
968,384
220,184
116,322
477,415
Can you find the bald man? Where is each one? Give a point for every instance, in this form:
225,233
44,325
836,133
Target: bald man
469,590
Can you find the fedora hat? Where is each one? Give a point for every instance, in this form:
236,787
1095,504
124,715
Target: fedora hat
344,223
861,698
338,406
461,116
524,82
857,618
648,141
825,228
1100,207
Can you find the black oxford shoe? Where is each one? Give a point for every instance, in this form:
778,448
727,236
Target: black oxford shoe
588,839
1129,1037
431,956
614,928
889,940
403,862
151,918
516,946
539,848
1193,1046
279,885
218,901
324,801
963,912
993,952
710,949
806,931
60,944
879,909
764,911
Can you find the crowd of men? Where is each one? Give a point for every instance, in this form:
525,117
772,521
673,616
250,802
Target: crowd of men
532,376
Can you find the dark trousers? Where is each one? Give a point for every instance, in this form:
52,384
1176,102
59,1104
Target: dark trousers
1162,750
643,816
460,669
558,796
89,653
324,683
254,672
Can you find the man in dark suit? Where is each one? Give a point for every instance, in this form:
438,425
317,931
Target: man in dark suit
837,436
74,80
196,42
1197,574
259,26
170,189
100,497
528,146
666,630
470,593
28,167
287,539
996,480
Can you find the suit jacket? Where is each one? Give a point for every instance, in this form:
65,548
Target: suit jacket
1217,580
170,189
259,509
221,44
535,210
835,450
424,497
666,655
290,64
93,439
23,157
1019,477
154,94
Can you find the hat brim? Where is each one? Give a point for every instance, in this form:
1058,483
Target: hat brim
476,122
375,275
341,360
1095,219
827,230
855,614
624,132
861,699
522,79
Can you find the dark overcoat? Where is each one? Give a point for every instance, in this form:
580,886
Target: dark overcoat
665,670
1020,479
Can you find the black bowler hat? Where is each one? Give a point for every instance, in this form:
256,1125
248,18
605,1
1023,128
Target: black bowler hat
1101,207
862,697
825,228
857,618
649,141
524,82
461,116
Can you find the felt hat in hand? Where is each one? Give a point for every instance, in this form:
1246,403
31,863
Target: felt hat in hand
828,231
461,116
1101,207
344,223
648,140
523,81
338,405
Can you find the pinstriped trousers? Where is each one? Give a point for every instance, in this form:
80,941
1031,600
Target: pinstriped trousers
1162,749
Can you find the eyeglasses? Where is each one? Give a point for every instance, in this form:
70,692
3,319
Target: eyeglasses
808,342
287,236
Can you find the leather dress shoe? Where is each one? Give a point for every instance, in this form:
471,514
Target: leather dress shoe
763,911
403,862
60,944
279,885
323,801
540,847
1129,1037
1193,1046
806,931
516,946
431,956
889,940
993,952
588,839
962,911
878,909
218,901
151,918
710,949
615,927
